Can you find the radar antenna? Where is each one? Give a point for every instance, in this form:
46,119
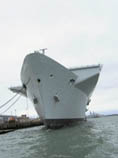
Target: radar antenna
43,50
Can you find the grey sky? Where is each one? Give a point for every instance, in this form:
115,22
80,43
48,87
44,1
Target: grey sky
76,32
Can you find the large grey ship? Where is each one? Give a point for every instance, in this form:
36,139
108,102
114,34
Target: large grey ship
59,95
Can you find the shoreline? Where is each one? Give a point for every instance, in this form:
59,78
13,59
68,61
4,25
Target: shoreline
12,126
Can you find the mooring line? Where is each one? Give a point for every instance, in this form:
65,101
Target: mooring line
11,105
8,101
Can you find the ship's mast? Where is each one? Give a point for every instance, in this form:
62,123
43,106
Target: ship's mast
43,50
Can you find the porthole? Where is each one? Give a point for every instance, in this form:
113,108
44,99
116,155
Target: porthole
51,75
72,80
24,86
35,100
38,80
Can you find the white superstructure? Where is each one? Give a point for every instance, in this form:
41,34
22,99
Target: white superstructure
59,95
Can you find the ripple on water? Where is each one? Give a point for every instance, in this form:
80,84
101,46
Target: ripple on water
96,138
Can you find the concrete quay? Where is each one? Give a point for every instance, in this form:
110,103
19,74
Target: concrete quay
13,125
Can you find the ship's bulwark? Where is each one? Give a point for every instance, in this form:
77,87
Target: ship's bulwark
59,95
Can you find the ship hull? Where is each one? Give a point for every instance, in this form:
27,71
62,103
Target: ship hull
58,123
59,96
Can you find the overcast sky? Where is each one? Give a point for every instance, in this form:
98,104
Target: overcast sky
76,33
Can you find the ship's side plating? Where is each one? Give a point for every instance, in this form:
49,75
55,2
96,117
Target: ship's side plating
59,95
87,78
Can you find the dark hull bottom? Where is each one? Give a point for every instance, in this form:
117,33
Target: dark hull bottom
58,123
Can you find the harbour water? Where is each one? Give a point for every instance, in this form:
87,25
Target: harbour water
96,138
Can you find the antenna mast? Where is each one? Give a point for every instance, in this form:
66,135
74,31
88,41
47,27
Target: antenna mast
43,50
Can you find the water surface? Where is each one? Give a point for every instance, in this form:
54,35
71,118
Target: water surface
96,138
